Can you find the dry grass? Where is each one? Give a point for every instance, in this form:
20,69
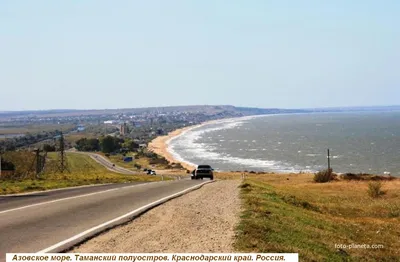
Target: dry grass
291,213
72,138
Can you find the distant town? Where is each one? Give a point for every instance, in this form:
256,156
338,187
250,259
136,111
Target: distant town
28,128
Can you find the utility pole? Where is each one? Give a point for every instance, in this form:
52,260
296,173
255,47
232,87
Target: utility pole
62,159
329,161
1,152
62,156
37,156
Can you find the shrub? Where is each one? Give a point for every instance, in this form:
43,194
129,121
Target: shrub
324,176
394,211
177,166
374,189
365,177
245,185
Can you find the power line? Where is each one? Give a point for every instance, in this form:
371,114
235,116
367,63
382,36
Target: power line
62,164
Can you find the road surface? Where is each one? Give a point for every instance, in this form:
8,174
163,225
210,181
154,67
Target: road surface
34,222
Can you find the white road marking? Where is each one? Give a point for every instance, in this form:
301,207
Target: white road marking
74,197
116,219
53,190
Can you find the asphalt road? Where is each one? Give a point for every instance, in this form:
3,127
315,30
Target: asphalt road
107,163
33,222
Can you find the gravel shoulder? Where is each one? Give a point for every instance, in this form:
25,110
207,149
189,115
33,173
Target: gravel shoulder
202,221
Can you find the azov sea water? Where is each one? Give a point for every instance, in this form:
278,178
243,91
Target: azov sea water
358,141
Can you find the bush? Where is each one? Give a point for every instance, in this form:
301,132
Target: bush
245,185
177,166
365,177
374,189
49,148
7,165
324,176
292,200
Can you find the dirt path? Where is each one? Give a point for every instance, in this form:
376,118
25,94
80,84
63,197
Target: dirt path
201,221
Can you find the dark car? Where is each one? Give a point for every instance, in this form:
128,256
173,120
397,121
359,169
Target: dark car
203,171
151,172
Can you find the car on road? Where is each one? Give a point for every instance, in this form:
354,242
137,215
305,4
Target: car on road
203,171
151,172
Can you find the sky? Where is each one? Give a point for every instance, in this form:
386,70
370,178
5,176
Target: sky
95,54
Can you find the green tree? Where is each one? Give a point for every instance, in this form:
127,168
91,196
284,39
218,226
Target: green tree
110,144
130,145
49,148
81,144
93,144
84,144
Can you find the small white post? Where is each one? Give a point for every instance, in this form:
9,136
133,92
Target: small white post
162,177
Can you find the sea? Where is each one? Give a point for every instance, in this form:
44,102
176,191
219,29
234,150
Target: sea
359,142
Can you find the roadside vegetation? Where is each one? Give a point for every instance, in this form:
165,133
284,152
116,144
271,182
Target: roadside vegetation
324,176
141,160
82,170
125,152
292,213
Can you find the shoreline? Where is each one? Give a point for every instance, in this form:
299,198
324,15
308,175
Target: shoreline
159,145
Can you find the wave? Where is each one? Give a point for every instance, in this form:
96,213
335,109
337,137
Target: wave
187,144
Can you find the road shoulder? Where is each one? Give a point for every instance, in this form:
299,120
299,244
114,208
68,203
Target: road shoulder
201,221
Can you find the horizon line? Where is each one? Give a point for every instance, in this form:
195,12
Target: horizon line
205,105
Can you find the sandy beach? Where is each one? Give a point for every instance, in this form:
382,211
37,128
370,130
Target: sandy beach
159,145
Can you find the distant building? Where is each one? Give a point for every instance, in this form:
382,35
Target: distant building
123,129
80,128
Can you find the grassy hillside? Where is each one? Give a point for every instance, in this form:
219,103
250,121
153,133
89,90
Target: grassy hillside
291,213
82,171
